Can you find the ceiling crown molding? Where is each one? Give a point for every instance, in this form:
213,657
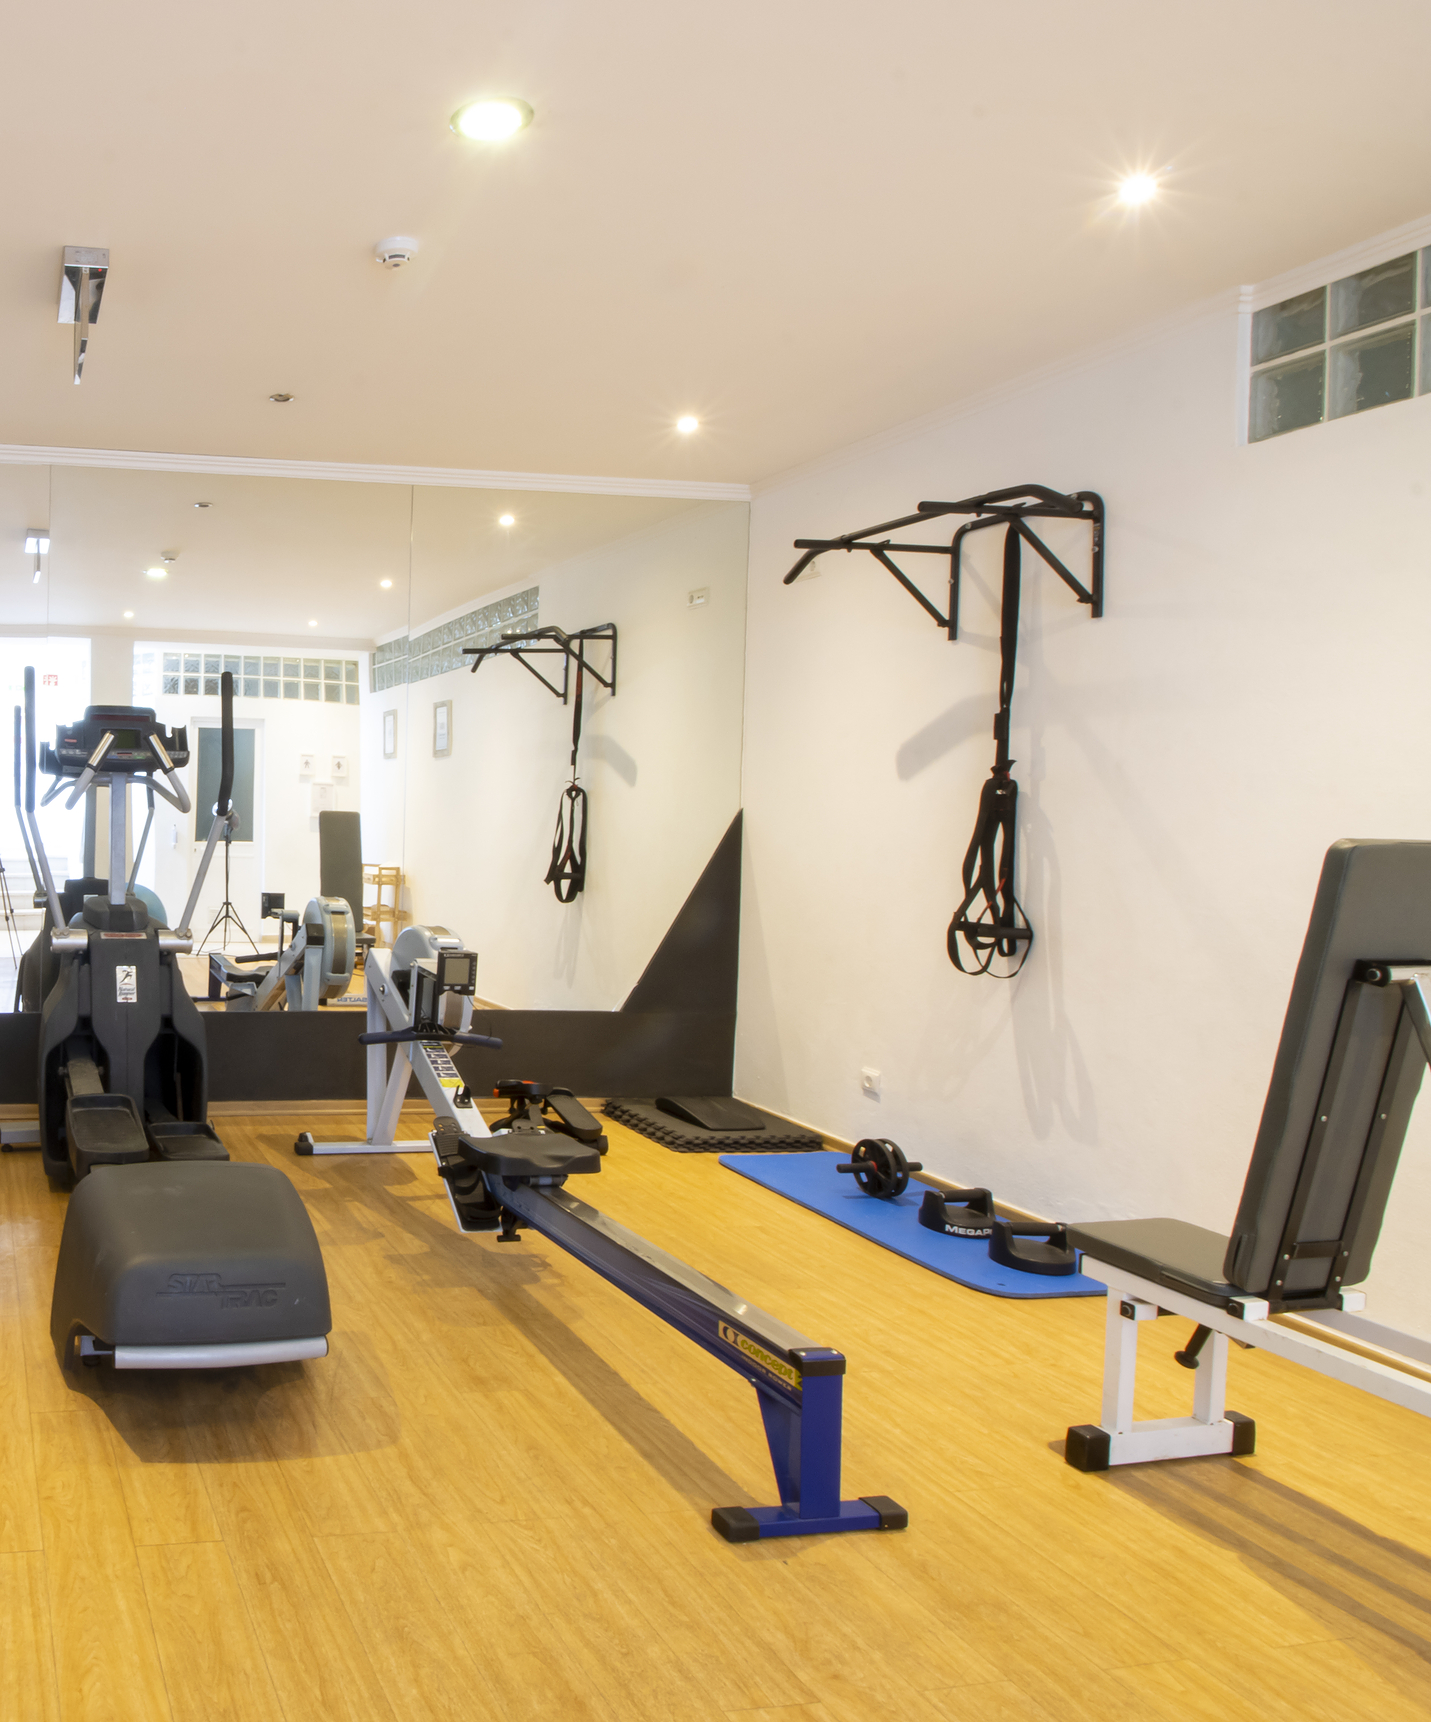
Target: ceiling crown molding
353,472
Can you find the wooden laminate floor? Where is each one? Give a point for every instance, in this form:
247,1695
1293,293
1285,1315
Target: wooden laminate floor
491,1500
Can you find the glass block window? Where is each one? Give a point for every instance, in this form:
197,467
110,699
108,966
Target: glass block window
1342,349
439,651
196,672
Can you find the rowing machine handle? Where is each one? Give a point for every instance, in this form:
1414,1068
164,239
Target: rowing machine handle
390,1036
226,741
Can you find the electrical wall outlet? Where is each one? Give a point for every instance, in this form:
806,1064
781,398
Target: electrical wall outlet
869,1083
701,595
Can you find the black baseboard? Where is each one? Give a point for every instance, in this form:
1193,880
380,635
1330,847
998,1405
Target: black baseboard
314,1055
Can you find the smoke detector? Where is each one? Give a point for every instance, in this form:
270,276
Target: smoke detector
393,253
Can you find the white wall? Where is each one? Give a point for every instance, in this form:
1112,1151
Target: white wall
660,762
1257,689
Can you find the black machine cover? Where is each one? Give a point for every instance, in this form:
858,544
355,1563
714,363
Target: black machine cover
187,1253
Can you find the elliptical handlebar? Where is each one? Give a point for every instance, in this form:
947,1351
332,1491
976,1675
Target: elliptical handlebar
20,802
226,741
46,878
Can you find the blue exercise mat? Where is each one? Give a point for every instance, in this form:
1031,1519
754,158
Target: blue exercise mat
812,1181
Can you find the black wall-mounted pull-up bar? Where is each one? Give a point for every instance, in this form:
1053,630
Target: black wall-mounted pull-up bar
989,921
1011,507
567,872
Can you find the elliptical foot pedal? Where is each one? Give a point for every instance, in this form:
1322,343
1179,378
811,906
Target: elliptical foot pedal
104,1130
183,1141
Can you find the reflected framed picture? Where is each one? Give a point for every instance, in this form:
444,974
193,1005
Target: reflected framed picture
390,735
441,729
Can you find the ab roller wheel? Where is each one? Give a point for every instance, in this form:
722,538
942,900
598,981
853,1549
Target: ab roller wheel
880,1167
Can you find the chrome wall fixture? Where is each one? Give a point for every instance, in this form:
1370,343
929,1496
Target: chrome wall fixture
82,277
37,544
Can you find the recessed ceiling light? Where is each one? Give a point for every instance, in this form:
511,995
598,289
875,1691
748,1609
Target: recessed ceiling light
280,398
203,505
493,120
312,621
687,424
157,573
129,615
506,520
385,584
1137,189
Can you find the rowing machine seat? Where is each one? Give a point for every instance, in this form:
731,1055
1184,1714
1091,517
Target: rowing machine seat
521,1155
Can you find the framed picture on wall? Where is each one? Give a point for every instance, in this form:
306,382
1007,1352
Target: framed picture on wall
390,735
441,729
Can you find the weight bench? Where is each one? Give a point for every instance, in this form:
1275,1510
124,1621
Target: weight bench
1356,1038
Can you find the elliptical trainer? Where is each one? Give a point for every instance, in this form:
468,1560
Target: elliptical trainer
171,1257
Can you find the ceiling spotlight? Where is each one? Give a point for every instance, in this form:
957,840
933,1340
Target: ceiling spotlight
203,505
1137,189
492,121
129,615
312,621
506,520
157,573
385,584
687,424
280,398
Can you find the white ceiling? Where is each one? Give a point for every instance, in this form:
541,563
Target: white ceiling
803,220
269,554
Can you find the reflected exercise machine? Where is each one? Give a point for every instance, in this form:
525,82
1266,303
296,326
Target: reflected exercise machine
1356,1037
313,968
567,872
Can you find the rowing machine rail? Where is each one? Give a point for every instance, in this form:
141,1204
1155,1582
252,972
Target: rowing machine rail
798,1384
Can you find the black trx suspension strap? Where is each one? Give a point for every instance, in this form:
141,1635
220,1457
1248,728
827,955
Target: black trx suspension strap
996,927
989,925
567,873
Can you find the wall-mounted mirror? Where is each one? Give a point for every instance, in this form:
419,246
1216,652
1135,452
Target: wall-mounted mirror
488,756
342,611
152,586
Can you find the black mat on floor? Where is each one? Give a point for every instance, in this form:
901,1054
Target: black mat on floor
778,1137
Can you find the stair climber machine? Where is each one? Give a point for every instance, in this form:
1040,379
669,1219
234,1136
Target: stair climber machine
513,1176
172,1257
